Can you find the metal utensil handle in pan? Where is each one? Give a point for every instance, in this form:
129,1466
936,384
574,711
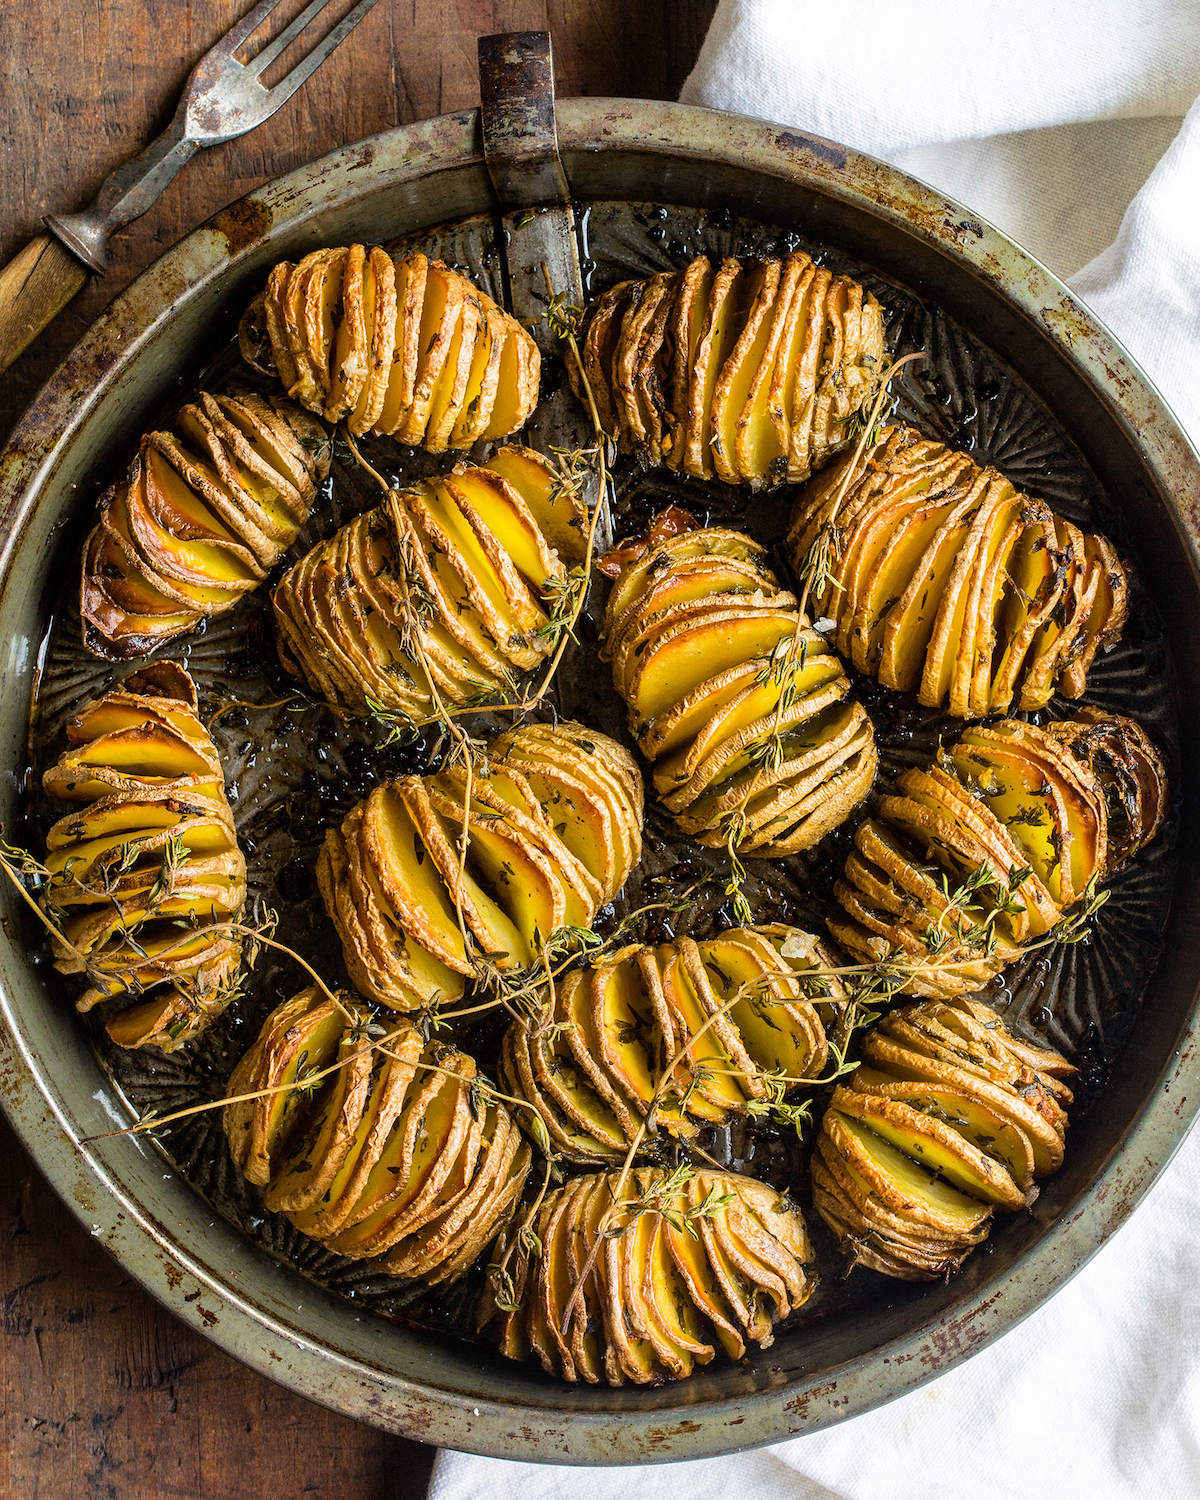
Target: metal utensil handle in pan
539,239
223,98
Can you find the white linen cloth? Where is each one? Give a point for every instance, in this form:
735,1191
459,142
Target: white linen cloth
1047,117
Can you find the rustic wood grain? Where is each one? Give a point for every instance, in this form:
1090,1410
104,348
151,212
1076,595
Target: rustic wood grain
35,286
104,1395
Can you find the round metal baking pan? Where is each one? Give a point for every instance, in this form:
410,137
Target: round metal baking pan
53,1089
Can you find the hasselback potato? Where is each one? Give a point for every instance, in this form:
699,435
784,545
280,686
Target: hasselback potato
373,1141
749,371
686,1265
145,873
554,828
987,850
203,516
949,1118
704,645
408,348
945,580
590,1067
446,587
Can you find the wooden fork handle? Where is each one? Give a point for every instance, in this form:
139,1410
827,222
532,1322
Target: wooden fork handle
35,286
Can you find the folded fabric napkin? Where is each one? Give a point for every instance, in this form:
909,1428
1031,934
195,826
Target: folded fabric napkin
1048,117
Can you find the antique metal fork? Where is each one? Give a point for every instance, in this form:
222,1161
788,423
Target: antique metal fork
223,98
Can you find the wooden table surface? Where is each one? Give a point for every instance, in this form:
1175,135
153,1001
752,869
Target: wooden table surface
103,1394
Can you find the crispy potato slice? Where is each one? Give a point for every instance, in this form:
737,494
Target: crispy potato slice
901,1183
306,1173
731,394
299,1039
1129,772
932,1142
704,1057
699,649
519,378
713,541
599,346
307,387
990,1132
1106,619
450,392
557,511
716,342
496,511
778,1029
636,385
410,279
409,877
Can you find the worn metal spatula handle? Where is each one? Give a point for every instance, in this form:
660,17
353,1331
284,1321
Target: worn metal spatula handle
223,98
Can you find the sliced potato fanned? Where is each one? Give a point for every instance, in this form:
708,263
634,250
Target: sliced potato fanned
409,348
371,1140
694,1032
440,592
987,851
741,706
749,370
145,872
944,579
646,1287
201,519
553,826
950,1118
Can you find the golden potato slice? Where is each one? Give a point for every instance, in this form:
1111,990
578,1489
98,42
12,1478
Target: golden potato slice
777,1028
909,624
705,1068
410,280
636,392
1036,575
952,637
904,1185
276,319
450,391
696,650
761,453
501,519
483,380
731,394
518,380
556,508
703,542
937,1145
409,877
633,1031
416,1159
349,353
716,342
448,1243
442,311
642,626
302,1177
991,1133
299,1039
599,346
496,935
1106,619
307,387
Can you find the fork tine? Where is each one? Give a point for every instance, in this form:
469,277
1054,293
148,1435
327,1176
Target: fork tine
242,29
259,64
288,85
